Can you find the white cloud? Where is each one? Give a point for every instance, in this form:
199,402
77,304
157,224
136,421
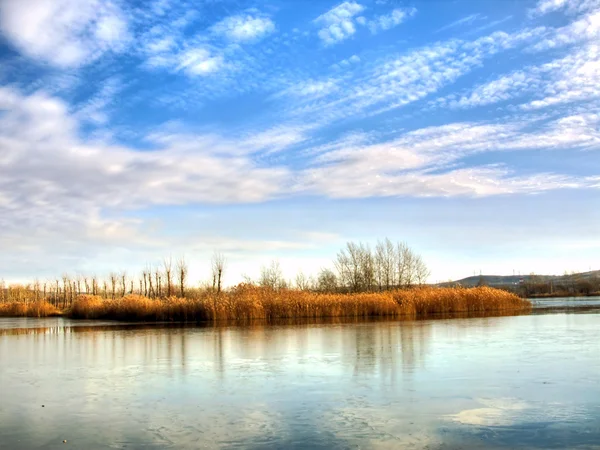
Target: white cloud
546,6
504,88
199,61
426,162
311,89
64,33
56,183
569,6
338,23
387,21
400,79
160,45
351,181
354,59
571,79
243,28
263,142
587,28
574,78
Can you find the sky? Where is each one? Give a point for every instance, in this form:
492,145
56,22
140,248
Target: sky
132,131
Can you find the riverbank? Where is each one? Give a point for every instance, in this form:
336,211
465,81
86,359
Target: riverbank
247,302
564,295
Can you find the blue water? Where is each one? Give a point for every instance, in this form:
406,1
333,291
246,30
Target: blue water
528,382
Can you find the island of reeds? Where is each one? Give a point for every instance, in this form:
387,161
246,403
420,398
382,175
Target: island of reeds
386,282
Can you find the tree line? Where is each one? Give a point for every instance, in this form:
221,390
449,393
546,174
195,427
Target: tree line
356,268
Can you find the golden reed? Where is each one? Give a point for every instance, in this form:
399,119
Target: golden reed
247,302
40,308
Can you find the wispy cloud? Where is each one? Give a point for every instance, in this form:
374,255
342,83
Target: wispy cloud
199,61
94,110
489,25
586,28
310,89
503,88
244,28
464,21
569,6
573,78
387,21
338,23
567,80
422,163
399,80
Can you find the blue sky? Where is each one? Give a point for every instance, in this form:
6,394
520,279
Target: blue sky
131,131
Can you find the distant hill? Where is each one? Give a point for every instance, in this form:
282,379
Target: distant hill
512,280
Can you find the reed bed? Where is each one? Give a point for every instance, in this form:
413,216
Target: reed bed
39,308
248,302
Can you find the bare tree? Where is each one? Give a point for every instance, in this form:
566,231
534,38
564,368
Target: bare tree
36,289
401,252
421,270
182,271
359,269
367,268
327,281
150,288
168,274
348,265
66,285
272,276
247,279
113,284
302,281
380,272
218,264
146,277
123,283
389,263
158,279
94,285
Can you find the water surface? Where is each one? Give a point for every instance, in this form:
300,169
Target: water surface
529,381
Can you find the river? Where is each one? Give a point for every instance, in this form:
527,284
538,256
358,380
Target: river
528,381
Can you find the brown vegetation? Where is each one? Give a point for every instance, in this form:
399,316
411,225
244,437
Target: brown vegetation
387,281
40,308
247,302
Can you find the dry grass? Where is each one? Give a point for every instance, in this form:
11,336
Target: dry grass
31,309
250,303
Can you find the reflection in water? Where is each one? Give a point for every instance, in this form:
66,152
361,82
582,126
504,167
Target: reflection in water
368,349
470,383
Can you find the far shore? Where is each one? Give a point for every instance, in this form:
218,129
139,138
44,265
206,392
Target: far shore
564,295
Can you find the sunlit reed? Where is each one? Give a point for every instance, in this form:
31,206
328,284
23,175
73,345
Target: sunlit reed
247,302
